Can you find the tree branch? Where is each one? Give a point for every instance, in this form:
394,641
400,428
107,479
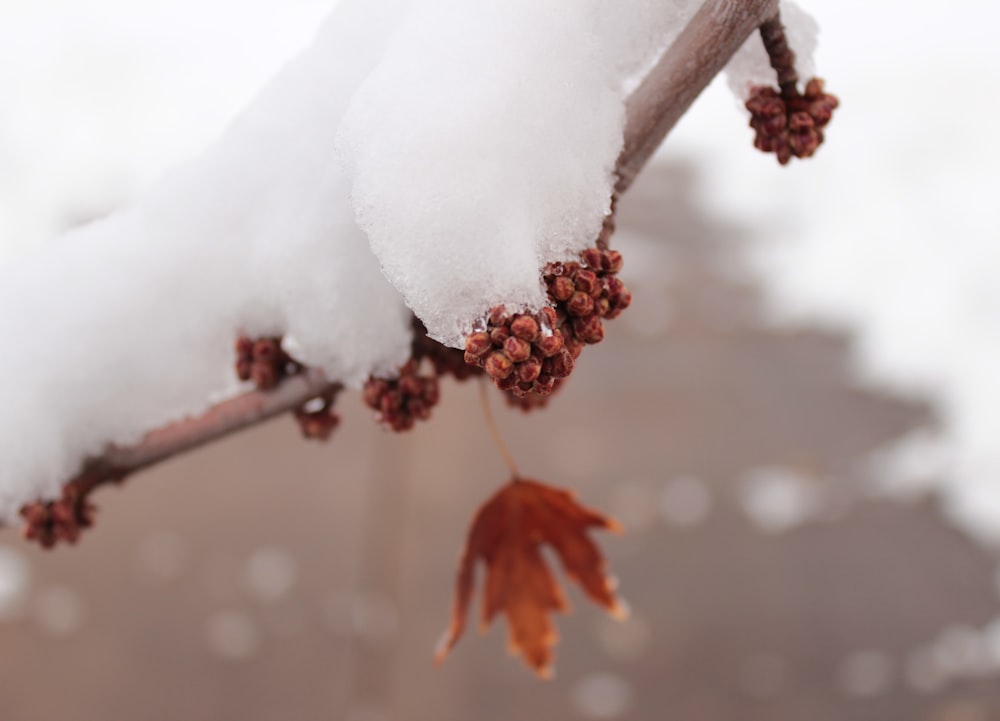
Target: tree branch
702,49
219,421
714,34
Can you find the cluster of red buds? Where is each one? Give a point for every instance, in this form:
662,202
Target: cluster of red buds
316,418
263,361
521,352
790,123
586,293
49,522
400,402
786,122
528,355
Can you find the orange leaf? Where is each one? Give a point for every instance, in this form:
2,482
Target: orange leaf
507,534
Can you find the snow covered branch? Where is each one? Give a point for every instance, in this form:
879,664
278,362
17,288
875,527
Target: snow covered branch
219,421
698,54
62,519
282,229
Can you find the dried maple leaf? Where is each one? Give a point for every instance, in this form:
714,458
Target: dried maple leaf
507,534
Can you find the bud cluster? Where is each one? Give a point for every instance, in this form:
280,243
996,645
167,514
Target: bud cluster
263,361
316,418
523,353
585,293
790,123
49,522
528,354
266,363
402,401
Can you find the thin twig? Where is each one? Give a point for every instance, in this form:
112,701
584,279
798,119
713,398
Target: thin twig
772,34
221,420
714,34
217,422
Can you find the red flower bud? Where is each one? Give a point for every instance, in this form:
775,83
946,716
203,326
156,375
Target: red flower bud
516,349
562,364
478,344
550,345
589,329
498,365
586,281
580,304
525,327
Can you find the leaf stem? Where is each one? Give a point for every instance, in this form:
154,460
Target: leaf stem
505,453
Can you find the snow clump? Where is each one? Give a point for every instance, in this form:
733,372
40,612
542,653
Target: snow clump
518,111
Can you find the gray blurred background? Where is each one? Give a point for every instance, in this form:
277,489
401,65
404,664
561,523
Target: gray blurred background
770,572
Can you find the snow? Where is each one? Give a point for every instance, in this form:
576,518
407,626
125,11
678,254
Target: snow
141,309
518,107
515,173
455,146
509,173
144,87
650,27
750,65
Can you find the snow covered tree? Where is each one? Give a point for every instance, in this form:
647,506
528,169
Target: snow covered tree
427,191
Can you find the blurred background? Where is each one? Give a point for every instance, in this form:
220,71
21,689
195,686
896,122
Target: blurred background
796,421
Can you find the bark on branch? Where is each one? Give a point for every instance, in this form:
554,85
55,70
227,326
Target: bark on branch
219,421
704,47
714,34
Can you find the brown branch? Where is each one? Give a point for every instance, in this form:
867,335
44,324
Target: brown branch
62,519
716,32
219,421
782,59
704,47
